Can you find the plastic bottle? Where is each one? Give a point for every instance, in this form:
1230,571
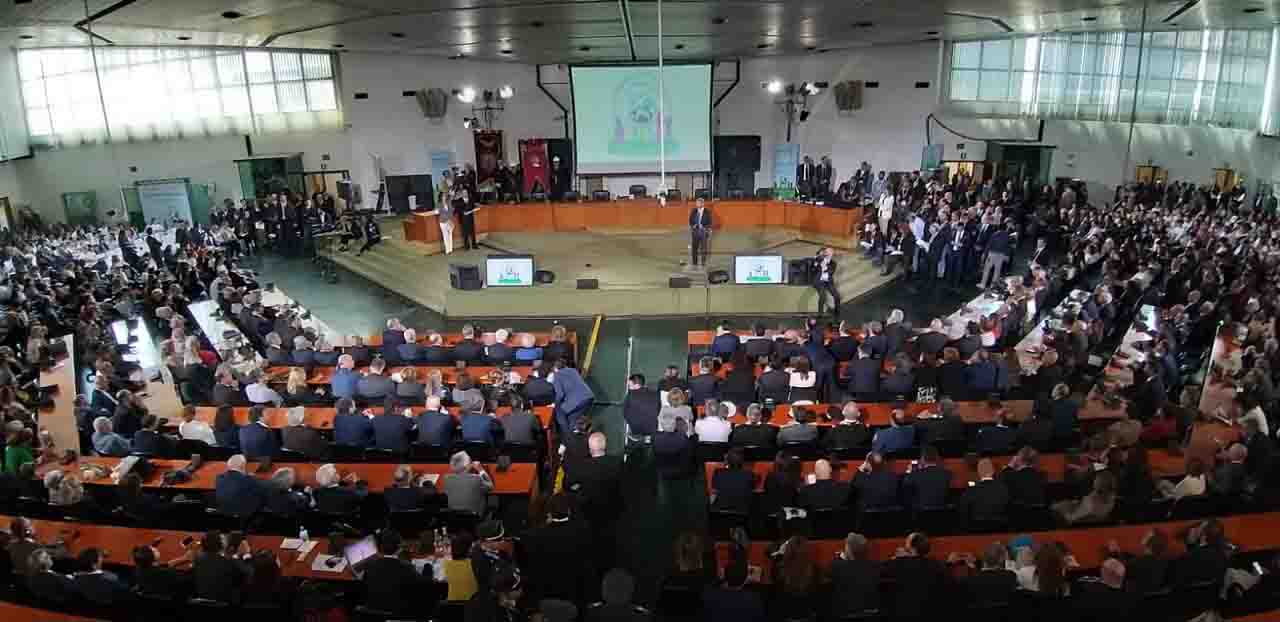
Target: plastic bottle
303,535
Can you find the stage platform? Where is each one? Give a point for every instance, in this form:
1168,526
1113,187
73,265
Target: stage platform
632,266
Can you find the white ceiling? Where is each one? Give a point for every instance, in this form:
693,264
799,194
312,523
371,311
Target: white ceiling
547,31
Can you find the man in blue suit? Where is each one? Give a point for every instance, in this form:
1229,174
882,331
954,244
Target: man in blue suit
410,352
435,426
257,440
237,493
350,428
725,343
345,378
391,430
896,437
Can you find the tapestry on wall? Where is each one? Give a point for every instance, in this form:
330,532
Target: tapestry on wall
488,159
533,161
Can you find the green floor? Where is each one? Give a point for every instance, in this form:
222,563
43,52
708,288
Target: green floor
623,346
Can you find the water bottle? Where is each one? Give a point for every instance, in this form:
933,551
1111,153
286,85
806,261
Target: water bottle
302,534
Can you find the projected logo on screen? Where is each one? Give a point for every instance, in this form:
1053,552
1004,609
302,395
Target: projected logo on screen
511,275
636,122
759,273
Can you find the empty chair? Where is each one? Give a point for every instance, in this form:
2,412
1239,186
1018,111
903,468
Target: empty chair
881,522
737,193
571,195
673,194
639,191
600,195
764,193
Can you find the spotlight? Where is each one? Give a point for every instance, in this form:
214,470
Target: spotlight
466,95
506,92
471,123
810,88
773,86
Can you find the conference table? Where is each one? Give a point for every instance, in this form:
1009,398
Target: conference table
837,225
450,374
1225,360
1250,532
321,417
517,480
963,471
60,419
878,414
208,316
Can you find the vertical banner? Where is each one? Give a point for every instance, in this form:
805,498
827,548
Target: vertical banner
786,156
488,159
931,158
533,161
441,161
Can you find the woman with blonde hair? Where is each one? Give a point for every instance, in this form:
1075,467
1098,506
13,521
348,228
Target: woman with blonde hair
296,390
409,391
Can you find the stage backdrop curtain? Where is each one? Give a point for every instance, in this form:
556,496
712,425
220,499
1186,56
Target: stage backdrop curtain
533,159
488,158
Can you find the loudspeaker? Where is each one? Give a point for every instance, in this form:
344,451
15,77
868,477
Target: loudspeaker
718,277
848,95
562,148
588,284
678,282
464,276
544,277
433,102
798,272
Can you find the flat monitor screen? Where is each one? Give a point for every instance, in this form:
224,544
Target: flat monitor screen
508,271
758,269
359,551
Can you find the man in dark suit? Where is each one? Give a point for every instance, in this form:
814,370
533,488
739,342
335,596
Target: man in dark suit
237,493
1107,599
725,342
1024,480
598,482
407,492
946,425
228,393
705,385
997,439
1259,449
758,345
822,178
435,426
539,391
374,386
1035,432
805,177
392,430
640,407
48,587
257,440
700,223
993,583
927,482
775,382
435,353
917,580
998,252
149,440
987,499
855,580
557,567
351,428
864,373
847,430
755,432
390,583
97,585
409,352
971,341
1230,477
297,436
824,280
933,340
876,483
393,335
468,349
496,350
844,346
824,493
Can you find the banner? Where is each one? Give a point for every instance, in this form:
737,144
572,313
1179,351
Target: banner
931,158
441,162
786,156
488,159
536,168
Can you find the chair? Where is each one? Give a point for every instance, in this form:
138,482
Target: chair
189,447
522,452
1189,508
803,450
737,194
866,615
206,609
711,451
571,195
829,522
673,194
679,602
803,394
600,195
421,452
758,453
409,523
479,450
227,522
1191,600
155,606
459,520
702,193
764,193
638,191
375,454
1027,517
935,520
369,614
289,455
881,522
345,453
951,448
721,522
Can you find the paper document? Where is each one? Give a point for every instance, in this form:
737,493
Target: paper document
321,564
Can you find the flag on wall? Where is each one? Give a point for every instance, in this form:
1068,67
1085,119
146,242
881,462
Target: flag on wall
488,159
533,159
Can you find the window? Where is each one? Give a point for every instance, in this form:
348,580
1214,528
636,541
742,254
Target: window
151,93
1182,77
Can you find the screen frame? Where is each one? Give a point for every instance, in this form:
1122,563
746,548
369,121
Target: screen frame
533,280
782,258
711,114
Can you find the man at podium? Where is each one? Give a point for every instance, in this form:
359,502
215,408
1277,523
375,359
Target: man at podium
700,233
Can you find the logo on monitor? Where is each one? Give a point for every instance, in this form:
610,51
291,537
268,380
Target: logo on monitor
510,275
759,273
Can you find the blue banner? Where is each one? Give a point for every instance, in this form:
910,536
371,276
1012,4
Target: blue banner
786,156
441,160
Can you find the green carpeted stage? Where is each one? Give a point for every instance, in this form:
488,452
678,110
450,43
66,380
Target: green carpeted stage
633,268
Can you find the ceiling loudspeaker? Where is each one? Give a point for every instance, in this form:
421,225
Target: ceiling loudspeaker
718,277
433,102
848,95
544,277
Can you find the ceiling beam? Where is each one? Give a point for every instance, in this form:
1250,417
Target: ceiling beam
625,7
1186,7
1001,24
84,24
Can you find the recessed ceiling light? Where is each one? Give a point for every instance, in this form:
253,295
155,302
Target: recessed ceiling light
584,48
537,23
1090,18
931,33
339,45
1253,9
761,46
679,46
507,51
184,38
719,21
397,35
232,14
863,24
26,36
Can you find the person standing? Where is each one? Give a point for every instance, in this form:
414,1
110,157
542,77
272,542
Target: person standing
824,175
465,206
824,278
445,214
804,177
997,257
700,232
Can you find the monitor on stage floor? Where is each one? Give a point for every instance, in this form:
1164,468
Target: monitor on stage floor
508,271
758,269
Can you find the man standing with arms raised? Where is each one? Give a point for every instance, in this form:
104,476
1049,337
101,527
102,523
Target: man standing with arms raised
700,232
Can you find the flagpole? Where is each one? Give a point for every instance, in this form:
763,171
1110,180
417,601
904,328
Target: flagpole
662,111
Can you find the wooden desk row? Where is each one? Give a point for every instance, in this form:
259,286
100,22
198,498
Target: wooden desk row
321,417
60,420
453,339
12,612
1054,467
647,215
450,374
1250,532
879,414
517,480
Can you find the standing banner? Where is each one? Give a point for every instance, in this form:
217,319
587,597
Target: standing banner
786,156
931,158
536,170
488,159
441,162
